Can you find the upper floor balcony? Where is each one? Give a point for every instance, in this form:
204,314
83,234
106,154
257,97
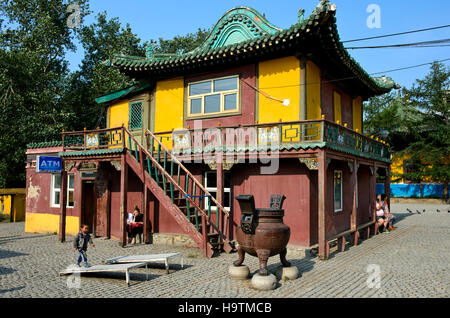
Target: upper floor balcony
281,137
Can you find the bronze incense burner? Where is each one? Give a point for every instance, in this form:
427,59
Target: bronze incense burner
262,232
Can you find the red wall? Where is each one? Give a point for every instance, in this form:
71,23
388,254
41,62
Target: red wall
292,180
327,92
247,74
338,222
42,203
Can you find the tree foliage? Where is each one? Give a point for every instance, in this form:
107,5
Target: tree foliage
429,152
39,96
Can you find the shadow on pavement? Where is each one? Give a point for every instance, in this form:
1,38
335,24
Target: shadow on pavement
3,291
6,270
8,254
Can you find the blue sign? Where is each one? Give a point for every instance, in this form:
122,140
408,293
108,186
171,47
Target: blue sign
48,164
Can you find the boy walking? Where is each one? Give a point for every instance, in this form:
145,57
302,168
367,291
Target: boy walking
80,244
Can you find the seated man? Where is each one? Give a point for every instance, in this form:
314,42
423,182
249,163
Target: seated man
389,215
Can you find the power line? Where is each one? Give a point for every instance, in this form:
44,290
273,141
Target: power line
434,43
353,77
396,34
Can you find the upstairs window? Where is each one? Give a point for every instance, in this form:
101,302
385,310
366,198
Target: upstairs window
135,115
212,97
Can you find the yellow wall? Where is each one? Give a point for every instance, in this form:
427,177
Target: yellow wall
357,114
169,103
6,204
279,78
118,114
337,107
313,110
49,224
16,197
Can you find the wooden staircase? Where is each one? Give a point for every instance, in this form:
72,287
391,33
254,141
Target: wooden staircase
180,193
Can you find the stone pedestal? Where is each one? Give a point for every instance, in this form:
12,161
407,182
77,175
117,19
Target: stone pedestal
289,273
268,282
239,272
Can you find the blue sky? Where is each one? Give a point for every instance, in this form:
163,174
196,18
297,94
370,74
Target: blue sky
151,19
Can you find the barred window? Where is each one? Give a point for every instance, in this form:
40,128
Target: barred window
337,191
136,115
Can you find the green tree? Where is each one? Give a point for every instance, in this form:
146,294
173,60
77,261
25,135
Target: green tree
100,41
34,39
429,153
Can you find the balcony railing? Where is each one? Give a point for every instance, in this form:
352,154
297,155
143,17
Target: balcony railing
246,138
94,139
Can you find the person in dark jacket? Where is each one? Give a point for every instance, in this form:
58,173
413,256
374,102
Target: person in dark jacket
80,244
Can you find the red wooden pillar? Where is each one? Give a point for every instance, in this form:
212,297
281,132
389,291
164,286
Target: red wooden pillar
63,204
152,216
373,194
145,211
387,186
354,182
123,199
322,206
220,188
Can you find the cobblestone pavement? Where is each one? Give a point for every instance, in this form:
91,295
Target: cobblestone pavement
413,261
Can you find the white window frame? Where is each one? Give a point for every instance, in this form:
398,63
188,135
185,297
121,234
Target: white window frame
334,191
214,189
57,191
222,98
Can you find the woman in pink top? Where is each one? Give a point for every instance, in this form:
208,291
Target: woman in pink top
382,220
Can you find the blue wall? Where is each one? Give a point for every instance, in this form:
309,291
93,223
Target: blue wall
429,190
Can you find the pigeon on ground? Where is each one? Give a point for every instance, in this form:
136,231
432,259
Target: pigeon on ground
412,211
438,210
418,212
423,211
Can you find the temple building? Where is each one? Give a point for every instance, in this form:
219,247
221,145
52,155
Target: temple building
254,110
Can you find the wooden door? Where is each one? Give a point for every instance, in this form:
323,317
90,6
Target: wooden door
89,205
102,219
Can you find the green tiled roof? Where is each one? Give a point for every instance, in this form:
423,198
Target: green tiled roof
47,144
316,37
122,93
91,153
282,147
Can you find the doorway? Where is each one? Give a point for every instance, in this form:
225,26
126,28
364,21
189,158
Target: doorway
89,205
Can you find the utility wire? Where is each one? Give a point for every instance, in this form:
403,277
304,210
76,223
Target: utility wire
434,43
353,77
396,34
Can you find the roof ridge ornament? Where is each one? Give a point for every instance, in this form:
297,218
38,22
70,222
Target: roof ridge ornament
301,15
238,25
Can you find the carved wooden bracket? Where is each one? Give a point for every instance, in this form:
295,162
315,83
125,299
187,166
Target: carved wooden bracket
350,166
311,163
227,165
116,164
68,165
371,171
328,162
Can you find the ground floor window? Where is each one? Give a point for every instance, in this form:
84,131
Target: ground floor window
211,186
337,191
56,190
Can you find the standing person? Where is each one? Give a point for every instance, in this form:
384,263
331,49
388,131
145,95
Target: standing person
80,244
380,214
389,215
137,225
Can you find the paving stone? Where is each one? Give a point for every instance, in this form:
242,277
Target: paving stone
412,260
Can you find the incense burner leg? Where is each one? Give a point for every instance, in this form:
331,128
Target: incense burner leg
263,256
241,254
283,259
